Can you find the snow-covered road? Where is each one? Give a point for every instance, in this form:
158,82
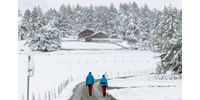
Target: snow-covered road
81,93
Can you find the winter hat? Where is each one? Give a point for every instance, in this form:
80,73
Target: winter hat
103,75
90,73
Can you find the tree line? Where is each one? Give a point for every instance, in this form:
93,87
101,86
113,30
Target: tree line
142,27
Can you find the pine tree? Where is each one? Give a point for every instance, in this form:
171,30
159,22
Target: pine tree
101,17
88,18
51,15
132,32
37,21
19,13
145,27
78,19
167,28
50,39
122,19
24,27
65,20
112,23
170,37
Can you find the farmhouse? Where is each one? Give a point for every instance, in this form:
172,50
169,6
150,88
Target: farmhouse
85,33
90,36
97,37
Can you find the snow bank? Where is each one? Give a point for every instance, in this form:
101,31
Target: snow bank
146,87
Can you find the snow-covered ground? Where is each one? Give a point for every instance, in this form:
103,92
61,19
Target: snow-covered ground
146,87
73,44
89,45
52,68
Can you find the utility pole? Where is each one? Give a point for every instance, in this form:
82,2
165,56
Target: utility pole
28,77
31,68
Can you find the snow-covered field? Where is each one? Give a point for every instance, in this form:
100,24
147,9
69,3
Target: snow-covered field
89,45
146,87
52,68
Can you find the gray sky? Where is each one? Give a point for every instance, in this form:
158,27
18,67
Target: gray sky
45,4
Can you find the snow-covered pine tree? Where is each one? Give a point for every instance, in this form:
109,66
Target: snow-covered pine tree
24,25
156,22
88,17
122,19
62,21
50,39
132,33
19,13
101,16
70,17
78,19
170,37
145,22
65,20
50,15
112,25
168,26
37,21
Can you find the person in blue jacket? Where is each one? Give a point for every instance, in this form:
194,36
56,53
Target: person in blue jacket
104,84
90,82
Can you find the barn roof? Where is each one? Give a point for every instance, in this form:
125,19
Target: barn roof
98,33
87,30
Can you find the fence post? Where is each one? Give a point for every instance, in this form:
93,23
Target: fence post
39,97
58,90
33,96
54,93
71,78
45,96
22,97
49,95
52,97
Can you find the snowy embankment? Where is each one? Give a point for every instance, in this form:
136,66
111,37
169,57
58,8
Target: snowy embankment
145,87
77,45
52,68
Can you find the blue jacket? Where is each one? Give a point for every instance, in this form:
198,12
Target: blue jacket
89,79
104,82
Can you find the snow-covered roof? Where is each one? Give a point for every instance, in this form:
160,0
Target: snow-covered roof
95,34
87,30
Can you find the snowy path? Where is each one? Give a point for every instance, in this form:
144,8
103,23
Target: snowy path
81,93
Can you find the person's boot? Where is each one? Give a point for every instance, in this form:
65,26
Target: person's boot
90,94
104,95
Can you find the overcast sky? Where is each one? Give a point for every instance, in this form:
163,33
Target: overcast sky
46,4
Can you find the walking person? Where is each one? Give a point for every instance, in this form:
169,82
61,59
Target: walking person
90,82
104,85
